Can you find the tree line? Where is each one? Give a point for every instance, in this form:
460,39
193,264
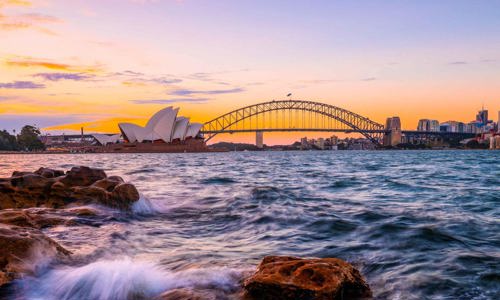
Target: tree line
27,140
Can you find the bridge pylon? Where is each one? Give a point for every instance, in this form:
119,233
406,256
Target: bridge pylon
393,135
259,139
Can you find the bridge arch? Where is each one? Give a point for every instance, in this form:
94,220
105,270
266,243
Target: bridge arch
351,122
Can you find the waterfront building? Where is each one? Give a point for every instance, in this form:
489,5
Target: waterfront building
472,127
320,143
452,126
498,122
164,126
428,125
79,140
423,125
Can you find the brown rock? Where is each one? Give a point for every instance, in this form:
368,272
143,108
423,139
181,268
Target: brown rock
83,211
49,173
20,250
108,183
124,195
38,219
20,173
16,217
52,189
82,176
89,194
186,294
284,278
31,182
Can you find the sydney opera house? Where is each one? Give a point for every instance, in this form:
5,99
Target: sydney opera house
165,131
163,127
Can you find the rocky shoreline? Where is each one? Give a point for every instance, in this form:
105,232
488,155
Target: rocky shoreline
32,201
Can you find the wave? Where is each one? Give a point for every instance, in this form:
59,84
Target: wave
218,180
125,279
144,207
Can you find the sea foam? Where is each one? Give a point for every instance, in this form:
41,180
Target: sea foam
125,279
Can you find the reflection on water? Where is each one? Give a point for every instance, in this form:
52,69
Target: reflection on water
418,224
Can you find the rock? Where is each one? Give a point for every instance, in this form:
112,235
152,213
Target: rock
49,173
31,182
83,211
108,183
82,176
83,195
284,278
124,195
186,294
38,219
20,173
23,250
16,217
52,189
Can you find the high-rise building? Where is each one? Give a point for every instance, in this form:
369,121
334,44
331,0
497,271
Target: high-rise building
428,125
482,116
498,122
320,143
423,125
433,125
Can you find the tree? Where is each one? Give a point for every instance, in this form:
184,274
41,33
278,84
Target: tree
28,139
8,141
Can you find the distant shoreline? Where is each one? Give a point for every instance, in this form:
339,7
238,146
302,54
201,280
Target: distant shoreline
221,151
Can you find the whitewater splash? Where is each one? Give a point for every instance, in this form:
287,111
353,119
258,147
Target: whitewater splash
145,207
125,279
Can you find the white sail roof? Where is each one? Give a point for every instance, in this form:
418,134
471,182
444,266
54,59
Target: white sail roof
193,130
105,139
164,125
159,126
128,131
181,126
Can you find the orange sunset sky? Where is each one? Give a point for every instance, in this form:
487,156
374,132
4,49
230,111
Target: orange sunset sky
68,64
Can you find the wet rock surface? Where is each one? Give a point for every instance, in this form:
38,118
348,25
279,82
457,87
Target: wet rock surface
55,189
33,201
21,250
287,278
189,294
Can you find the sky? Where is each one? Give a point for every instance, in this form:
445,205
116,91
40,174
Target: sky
70,64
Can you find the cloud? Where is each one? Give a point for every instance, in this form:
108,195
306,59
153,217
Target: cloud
128,73
21,85
169,101
458,63
4,98
132,78
188,92
320,81
28,21
14,3
17,121
63,76
323,81
30,63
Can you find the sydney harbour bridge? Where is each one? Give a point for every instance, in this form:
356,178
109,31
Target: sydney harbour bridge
302,115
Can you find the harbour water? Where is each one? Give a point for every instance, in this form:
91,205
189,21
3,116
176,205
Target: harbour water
417,224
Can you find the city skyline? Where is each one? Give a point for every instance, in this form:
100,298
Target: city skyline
95,66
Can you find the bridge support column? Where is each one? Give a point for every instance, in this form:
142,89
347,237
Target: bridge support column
393,135
259,139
